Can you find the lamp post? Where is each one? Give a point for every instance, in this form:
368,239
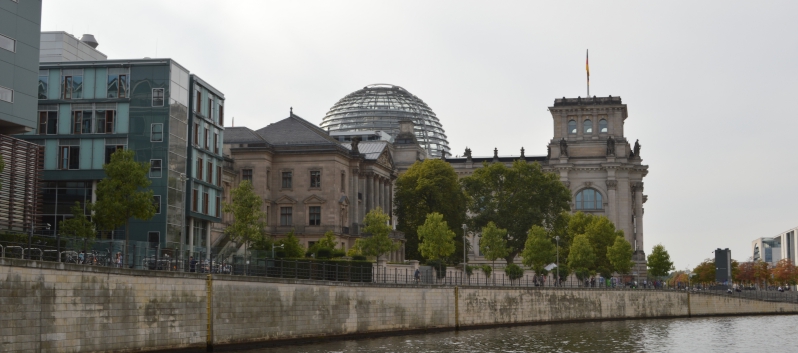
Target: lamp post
557,280
465,258
30,236
275,246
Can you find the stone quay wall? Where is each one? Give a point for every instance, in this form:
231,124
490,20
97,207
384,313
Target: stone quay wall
53,307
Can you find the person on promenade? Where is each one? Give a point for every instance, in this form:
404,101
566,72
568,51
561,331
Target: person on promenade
192,264
82,257
118,259
417,276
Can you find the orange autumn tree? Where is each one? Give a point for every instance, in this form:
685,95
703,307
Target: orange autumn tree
704,272
785,272
746,273
762,273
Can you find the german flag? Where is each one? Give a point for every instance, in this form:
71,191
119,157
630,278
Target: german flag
587,65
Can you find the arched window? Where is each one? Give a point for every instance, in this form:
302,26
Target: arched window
588,126
602,125
572,127
588,199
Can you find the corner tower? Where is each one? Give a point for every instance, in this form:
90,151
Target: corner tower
595,160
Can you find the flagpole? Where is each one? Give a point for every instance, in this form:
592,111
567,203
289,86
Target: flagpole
587,67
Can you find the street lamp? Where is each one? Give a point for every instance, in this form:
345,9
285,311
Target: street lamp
465,259
275,246
557,280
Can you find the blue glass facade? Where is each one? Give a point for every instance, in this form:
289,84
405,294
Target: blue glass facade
140,105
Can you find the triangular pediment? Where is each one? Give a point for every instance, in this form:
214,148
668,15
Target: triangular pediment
314,199
385,159
284,200
344,200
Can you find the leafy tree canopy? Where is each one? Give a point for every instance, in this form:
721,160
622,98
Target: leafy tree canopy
581,257
121,195
493,243
539,251
79,226
620,255
291,246
659,262
248,219
378,243
785,272
704,272
437,241
515,198
427,187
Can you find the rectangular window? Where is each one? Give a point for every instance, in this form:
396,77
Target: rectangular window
155,168
315,216
106,121
343,182
156,201
69,154
207,139
113,145
154,237
194,200
66,87
315,179
218,175
44,79
196,134
72,84
156,133
209,173
205,202
8,43
287,180
216,142
218,206
6,94
77,122
268,178
285,216
210,108
117,83
199,168
221,115
48,123
246,174
198,102
157,97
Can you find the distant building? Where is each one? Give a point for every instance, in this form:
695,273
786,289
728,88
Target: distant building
20,23
773,249
61,46
311,182
172,119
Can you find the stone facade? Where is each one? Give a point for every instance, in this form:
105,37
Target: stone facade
593,159
324,185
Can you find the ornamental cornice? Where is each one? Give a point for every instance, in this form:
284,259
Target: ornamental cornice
612,184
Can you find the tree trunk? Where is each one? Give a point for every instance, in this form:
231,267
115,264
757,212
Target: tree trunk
127,241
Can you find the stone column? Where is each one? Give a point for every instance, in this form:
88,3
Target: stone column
369,193
379,194
638,190
208,241
390,201
354,206
612,207
191,235
385,197
361,180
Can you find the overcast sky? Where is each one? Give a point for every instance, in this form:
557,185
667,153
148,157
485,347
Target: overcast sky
710,86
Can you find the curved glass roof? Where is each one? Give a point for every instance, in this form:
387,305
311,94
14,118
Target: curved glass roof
379,107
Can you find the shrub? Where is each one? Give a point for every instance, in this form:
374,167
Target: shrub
323,253
514,272
358,258
336,253
469,270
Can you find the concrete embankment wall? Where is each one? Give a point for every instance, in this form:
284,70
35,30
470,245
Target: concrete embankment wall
53,307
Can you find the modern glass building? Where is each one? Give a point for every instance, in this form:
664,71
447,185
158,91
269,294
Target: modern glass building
20,23
379,107
155,107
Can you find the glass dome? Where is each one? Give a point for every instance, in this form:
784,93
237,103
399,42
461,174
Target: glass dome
379,107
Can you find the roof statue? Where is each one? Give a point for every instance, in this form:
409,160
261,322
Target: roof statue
637,148
563,147
467,153
610,146
355,142
522,152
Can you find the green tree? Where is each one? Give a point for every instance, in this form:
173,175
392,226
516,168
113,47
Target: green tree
437,241
539,251
515,198
581,258
704,272
659,262
78,226
248,224
601,233
291,246
427,187
121,195
328,241
514,272
493,244
620,255
378,243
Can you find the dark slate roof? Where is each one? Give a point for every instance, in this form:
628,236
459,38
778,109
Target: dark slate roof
370,149
294,130
503,159
241,135
559,102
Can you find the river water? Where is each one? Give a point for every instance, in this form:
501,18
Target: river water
718,334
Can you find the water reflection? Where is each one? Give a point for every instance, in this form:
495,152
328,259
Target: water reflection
726,334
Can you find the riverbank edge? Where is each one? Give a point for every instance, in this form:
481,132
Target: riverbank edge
301,341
